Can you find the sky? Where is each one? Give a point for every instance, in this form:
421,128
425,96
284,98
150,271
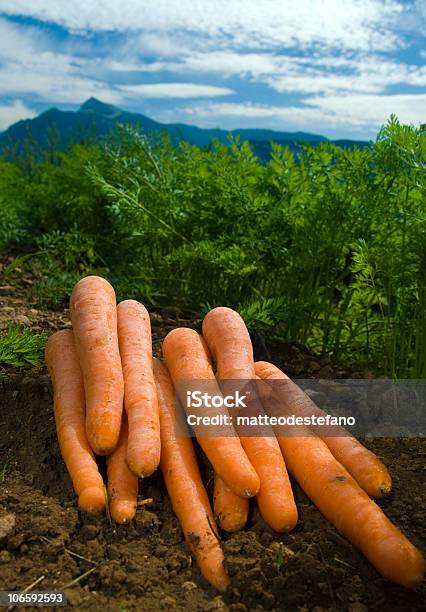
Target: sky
333,67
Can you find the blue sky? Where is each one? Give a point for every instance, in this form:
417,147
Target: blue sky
334,67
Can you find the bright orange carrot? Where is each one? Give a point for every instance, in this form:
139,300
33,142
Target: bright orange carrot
140,394
187,361
94,320
230,345
185,488
122,484
230,510
69,405
342,501
362,464
275,498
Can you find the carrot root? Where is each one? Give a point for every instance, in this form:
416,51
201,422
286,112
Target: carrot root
122,484
69,407
185,488
230,510
140,394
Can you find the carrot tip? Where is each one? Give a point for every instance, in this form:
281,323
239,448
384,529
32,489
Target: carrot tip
249,493
101,447
123,512
92,500
139,473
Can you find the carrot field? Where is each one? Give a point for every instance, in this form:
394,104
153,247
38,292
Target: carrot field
325,248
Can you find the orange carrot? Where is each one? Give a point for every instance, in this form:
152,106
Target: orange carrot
187,361
342,501
362,464
122,484
94,320
185,488
275,498
140,394
230,345
69,406
230,510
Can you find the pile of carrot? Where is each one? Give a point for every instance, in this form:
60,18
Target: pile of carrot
105,364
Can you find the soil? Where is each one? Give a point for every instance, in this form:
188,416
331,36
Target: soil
146,565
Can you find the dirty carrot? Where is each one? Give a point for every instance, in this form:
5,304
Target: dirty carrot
69,407
122,483
345,504
230,510
94,320
188,364
185,488
230,344
362,464
140,394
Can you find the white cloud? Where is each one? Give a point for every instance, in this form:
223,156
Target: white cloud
338,57
305,74
176,90
161,45
366,74
363,110
129,66
363,113
14,112
353,24
28,66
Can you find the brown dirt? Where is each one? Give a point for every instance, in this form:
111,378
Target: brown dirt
146,565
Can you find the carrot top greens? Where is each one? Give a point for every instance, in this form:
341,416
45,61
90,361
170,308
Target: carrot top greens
325,248
21,347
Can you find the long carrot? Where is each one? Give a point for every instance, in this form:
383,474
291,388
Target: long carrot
122,483
343,502
185,488
230,510
275,498
362,464
187,361
230,345
69,406
140,394
94,320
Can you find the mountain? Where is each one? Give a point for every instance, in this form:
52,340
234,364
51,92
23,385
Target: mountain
94,119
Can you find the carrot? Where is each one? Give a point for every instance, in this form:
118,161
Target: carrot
231,347
275,498
230,510
345,504
187,361
362,464
122,484
229,343
94,320
185,488
140,394
69,406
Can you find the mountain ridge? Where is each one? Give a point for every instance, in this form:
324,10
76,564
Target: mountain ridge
95,119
